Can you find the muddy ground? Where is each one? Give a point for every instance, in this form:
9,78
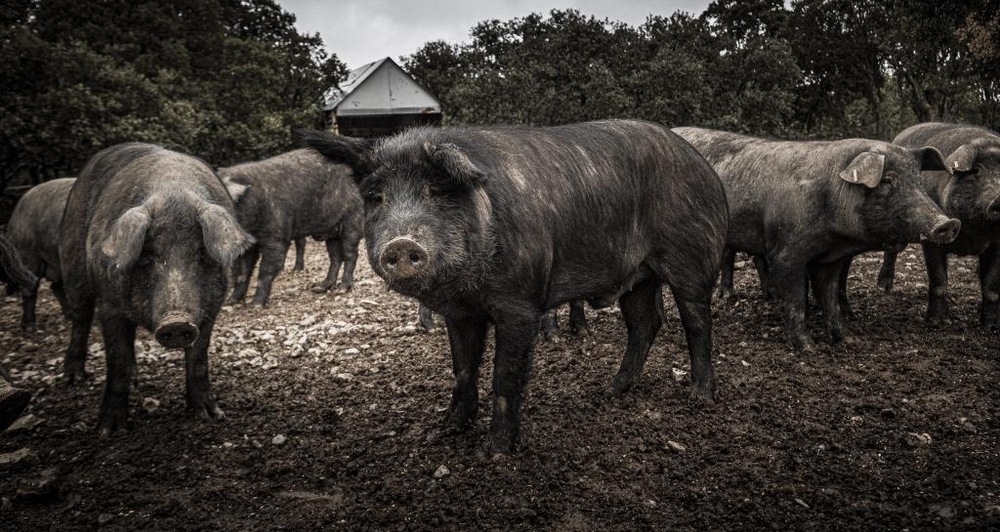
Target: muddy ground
334,403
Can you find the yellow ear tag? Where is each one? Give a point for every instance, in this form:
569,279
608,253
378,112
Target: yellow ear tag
855,174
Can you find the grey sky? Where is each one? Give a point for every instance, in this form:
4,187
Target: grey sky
361,31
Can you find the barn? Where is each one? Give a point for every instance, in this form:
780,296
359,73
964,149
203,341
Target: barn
378,99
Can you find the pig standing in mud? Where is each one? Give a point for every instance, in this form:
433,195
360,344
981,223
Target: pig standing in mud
146,236
34,231
808,207
289,197
498,225
970,191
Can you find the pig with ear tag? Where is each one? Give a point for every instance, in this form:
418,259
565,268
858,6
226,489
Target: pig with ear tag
806,208
145,239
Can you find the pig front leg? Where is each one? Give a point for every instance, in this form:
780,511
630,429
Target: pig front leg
75,361
887,273
989,283
198,393
826,284
845,303
241,272
789,279
28,299
577,318
468,341
272,260
332,251
515,340
936,260
425,317
300,254
119,352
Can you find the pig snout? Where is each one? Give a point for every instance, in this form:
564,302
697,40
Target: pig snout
176,331
403,259
943,231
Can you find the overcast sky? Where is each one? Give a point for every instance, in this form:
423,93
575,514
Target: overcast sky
361,31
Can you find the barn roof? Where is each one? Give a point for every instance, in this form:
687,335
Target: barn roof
380,88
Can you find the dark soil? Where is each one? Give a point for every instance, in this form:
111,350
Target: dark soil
896,431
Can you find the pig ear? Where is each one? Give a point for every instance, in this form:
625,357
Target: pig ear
123,245
453,162
929,158
354,152
225,240
236,190
962,159
866,169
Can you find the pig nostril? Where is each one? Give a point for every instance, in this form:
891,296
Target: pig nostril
415,257
391,259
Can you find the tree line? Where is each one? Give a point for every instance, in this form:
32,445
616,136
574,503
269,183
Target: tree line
221,79
812,69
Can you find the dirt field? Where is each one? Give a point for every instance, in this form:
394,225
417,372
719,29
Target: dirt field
334,404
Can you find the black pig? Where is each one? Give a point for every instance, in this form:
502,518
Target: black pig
288,197
34,230
499,225
808,207
970,191
146,236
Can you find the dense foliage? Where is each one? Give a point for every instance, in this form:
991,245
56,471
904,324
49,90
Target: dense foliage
813,68
221,79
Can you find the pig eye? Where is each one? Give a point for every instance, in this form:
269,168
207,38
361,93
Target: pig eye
374,197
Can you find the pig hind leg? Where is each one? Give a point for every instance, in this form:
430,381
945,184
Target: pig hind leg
887,272
642,311
826,284
577,318
728,265
350,239
271,261
76,355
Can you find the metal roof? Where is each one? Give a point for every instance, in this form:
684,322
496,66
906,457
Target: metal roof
401,93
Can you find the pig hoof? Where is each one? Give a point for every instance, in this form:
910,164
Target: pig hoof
497,444
108,424
885,285
582,332
78,375
727,294
619,385
703,394
319,289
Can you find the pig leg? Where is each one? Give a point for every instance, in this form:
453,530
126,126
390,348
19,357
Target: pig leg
728,264
349,241
577,318
515,339
333,251
119,352
845,303
300,254
468,341
641,311
59,292
76,355
790,281
198,388
826,284
28,299
989,282
888,271
242,271
272,259
936,260
695,309
549,324
760,265
426,317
